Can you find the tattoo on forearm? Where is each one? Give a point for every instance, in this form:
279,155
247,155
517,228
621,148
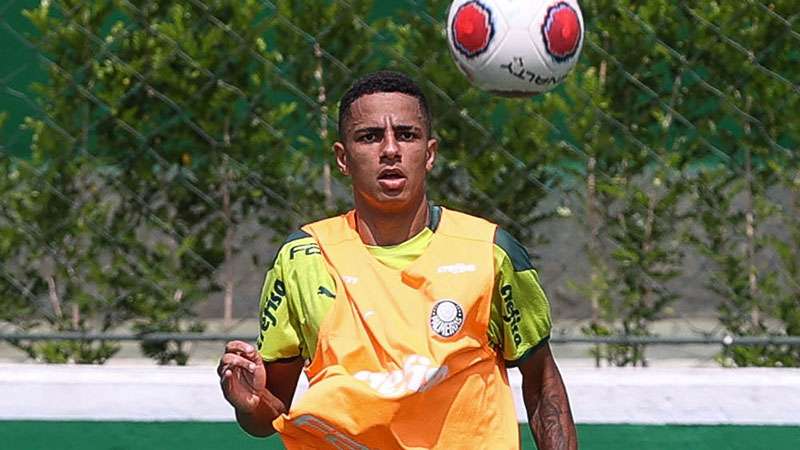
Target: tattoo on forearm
547,423
551,420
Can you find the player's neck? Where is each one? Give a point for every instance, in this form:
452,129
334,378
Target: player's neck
377,227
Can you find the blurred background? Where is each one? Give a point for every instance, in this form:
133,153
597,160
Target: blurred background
154,154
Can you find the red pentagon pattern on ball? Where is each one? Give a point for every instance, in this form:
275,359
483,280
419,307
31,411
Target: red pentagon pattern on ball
472,29
561,31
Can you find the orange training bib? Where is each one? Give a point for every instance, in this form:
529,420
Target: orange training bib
403,359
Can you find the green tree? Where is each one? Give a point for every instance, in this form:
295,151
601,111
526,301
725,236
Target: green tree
621,109
747,127
645,257
57,211
787,310
17,305
320,48
172,150
676,99
187,92
723,225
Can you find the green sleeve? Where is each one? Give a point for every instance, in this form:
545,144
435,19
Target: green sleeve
278,337
520,313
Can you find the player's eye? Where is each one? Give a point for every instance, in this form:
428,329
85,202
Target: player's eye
368,138
407,135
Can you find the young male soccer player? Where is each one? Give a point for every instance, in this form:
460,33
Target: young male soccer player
405,314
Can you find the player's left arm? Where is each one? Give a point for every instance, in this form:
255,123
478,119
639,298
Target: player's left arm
520,326
546,402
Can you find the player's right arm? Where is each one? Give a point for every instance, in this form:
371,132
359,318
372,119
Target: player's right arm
244,379
263,378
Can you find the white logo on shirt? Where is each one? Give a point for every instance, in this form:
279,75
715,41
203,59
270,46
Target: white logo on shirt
457,268
417,375
349,279
446,317
369,313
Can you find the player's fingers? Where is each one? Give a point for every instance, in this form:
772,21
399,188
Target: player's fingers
225,379
222,367
228,381
239,347
232,360
235,391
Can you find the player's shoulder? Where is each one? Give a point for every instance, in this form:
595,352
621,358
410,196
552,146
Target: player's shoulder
509,247
506,245
459,216
462,225
296,248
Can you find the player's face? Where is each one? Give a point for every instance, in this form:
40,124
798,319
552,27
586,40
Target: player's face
386,151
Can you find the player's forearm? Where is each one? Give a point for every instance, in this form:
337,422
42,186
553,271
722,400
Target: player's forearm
550,417
258,422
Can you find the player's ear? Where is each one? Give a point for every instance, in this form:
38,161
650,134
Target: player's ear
341,158
430,153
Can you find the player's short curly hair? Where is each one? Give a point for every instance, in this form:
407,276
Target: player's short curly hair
382,81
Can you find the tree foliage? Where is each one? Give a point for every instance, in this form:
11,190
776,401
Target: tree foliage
172,134
157,146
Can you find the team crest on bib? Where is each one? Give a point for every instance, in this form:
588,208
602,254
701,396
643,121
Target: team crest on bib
447,317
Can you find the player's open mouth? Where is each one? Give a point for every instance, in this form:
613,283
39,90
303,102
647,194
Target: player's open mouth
390,174
391,179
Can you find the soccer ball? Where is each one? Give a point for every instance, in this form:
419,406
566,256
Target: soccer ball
515,47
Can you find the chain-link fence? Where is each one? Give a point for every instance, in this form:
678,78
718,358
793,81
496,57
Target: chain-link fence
155,152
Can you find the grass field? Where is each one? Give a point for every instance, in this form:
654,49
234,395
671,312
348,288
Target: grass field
41,435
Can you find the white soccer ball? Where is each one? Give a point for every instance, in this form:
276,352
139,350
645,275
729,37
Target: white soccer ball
515,47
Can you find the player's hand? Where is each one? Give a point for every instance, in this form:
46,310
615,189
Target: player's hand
244,379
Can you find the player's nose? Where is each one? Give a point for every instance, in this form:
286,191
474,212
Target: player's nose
390,148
